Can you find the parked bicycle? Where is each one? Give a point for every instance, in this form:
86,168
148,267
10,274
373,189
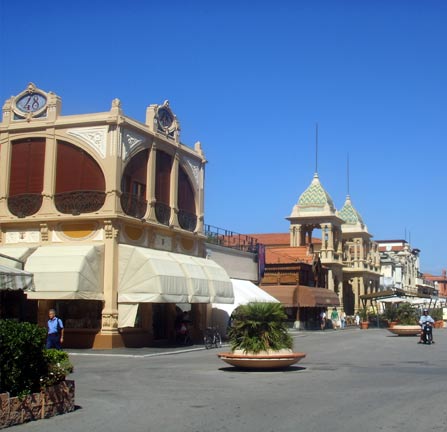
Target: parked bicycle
212,338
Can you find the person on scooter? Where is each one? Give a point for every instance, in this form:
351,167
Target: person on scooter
425,317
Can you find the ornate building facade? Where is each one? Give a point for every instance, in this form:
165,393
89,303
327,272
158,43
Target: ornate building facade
107,213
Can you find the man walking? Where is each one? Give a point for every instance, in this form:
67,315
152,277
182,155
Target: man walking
55,328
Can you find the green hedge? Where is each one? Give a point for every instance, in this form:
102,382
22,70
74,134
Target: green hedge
22,358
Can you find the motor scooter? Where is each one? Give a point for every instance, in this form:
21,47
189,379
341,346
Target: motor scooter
427,333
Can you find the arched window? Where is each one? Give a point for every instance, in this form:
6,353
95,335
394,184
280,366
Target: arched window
186,202
26,178
133,185
80,182
162,187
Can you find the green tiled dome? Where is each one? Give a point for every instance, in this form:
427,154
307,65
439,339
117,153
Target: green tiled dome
315,197
349,214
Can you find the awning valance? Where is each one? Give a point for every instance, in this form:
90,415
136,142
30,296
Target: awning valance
72,272
302,296
152,276
15,279
317,297
286,294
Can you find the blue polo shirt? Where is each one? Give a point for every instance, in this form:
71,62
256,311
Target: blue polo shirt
52,325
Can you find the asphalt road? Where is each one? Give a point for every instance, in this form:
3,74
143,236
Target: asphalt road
350,381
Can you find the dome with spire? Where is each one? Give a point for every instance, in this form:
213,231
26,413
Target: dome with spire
351,216
314,200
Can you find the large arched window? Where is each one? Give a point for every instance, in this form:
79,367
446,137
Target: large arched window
162,187
133,185
80,183
186,202
26,179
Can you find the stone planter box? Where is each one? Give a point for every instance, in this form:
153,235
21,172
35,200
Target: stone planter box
405,330
263,360
55,400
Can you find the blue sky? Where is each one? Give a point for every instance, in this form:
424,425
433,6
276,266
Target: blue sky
250,79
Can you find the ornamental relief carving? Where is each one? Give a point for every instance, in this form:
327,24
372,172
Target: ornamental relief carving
95,137
195,169
25,236
130,140
110,320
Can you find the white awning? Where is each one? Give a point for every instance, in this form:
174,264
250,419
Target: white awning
152,276
14,279
17,253
245,292
69,272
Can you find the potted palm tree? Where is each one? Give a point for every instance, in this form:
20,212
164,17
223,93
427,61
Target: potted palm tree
259,337
364,324
407,321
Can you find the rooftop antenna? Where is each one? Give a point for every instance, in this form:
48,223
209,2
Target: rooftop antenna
347,173
316,148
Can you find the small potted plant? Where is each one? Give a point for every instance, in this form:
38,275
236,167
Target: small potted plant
364,324
438,315
259,337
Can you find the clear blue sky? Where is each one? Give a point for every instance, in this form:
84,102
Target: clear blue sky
250,79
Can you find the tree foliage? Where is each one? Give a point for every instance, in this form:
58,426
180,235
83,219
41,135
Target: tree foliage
259,327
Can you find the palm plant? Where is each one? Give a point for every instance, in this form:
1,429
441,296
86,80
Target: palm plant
259,327
407,314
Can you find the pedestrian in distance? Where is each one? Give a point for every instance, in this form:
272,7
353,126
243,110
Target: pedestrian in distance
343,320
323,320
335,318
55,329
357,319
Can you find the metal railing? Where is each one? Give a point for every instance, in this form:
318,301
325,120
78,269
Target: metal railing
133,205
23,205
80,201
230,239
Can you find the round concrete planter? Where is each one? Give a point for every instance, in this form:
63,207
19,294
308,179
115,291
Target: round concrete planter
405,330
263,360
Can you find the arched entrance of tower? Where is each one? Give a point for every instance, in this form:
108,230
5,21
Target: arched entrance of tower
348,298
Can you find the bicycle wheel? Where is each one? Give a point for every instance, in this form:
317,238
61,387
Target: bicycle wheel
208,341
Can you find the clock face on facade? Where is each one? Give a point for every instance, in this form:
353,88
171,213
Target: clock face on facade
165,118
31,102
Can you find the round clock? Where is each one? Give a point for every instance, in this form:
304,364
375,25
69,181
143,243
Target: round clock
31,102
165,118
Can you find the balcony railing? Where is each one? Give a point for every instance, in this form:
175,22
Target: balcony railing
78,202
226,238
187,221
24,204
133,205
162,213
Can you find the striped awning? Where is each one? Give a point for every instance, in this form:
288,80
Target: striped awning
15,279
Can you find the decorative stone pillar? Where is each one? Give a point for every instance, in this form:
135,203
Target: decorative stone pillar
173,193
49,177
5,164
151,174
109,325
201,200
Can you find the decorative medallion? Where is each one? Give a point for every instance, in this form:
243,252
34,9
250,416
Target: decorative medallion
32,102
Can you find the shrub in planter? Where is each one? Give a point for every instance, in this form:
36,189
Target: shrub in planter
22,359
59,366
260,327
407,314
437,314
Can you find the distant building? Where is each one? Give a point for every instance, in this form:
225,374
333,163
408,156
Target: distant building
341,257
400,270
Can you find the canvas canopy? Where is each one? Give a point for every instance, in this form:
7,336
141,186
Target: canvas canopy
15,256
15,279
72,272
244,292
